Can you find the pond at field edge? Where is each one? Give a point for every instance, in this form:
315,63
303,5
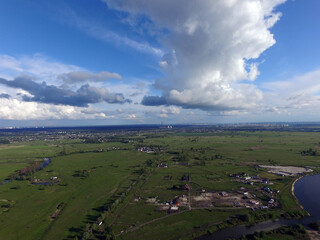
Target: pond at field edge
307,191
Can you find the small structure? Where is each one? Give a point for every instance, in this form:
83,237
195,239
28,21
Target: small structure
174,209
136,199
163,207
146,150
224,194
151,200
265,181
254,202
271,201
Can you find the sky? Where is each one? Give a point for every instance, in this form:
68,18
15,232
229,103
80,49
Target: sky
114,62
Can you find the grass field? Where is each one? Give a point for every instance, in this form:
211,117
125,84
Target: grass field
100,189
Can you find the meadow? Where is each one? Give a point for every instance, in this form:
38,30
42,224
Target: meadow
99,189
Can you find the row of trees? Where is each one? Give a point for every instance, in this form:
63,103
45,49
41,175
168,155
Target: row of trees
309,152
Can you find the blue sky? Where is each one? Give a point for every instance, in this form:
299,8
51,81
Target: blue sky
106,62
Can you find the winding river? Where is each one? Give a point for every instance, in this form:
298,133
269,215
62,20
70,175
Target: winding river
307,191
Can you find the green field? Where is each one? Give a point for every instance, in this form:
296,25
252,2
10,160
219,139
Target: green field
99,190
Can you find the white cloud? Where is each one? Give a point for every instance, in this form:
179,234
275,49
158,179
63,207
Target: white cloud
171,110
253,72
13,109
37,65
299,94
228,113
163,115
131,116
41,68
47,73
163,64
211,43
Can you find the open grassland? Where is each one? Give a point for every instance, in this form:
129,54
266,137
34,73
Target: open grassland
101,189
108,173
6,168
181,226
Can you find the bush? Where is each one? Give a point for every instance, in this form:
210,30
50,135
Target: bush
4,141
314,225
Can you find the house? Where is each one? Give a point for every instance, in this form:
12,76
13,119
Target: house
256,177
152,200
266,181
163,207
174,208
146,150
267,189
254,202
224,194
185,187
183,199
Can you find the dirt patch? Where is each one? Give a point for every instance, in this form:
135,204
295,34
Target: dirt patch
286,170
216,199
163,208
254,148
5,205
314,235
3,147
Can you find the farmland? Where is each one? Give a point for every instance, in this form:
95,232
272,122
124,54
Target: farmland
143,184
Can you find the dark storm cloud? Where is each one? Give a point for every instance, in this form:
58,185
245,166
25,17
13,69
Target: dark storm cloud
51,94
78,76
160,101
153,101
4,95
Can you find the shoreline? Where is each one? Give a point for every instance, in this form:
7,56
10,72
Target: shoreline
292,192
292,187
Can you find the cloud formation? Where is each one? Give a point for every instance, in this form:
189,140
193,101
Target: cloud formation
82,94
44,93
153,101
212,47
4,95
172,110
12,109
82,76
36,65
101,32
300,92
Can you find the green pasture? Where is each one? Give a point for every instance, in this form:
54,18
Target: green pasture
109,173
91,175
